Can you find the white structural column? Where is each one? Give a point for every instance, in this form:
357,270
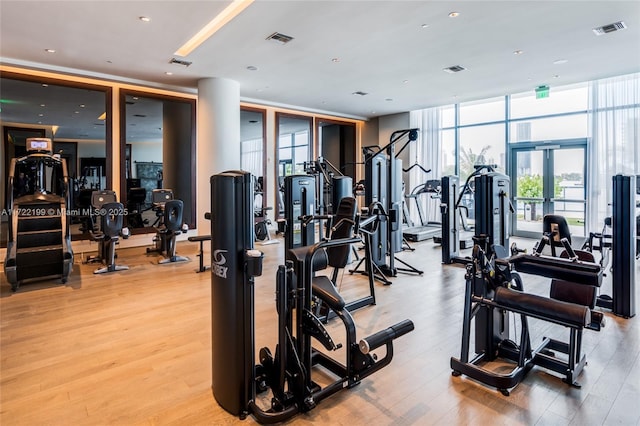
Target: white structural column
218,137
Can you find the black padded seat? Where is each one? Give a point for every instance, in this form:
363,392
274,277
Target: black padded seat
323,289
320,260
569,314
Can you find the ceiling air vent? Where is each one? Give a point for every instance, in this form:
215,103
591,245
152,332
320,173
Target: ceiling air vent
180,62
454,69
616,26
280,38
360,93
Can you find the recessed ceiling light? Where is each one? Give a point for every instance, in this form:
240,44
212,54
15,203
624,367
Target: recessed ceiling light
560,61
518,52
109,62
135,98
40,115
454,14
81,105
42,105
424,26
168,73
76,112
45,85
144,19
405,81
50,50
252,68
335,60
360,93
388,99
556,76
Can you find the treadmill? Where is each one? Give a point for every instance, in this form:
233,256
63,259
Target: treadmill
425,230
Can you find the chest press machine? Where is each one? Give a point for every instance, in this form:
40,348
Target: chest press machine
289,372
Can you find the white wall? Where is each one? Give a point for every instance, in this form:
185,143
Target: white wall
145,152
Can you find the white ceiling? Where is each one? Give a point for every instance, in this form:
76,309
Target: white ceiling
381,46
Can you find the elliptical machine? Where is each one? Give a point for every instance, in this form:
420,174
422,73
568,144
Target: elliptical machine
288,372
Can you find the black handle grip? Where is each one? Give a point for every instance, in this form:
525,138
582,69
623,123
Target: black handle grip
382,337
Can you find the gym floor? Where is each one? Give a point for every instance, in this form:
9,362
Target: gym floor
134,347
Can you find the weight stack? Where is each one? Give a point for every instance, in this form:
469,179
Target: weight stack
300,200
492,209
342,187
623,246
232,292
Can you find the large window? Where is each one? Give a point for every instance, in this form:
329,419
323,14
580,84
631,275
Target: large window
560,101
481,145
484,111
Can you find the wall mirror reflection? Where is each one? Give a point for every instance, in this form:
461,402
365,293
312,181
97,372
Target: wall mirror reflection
337,145
293,149
75,116
158,146
252,156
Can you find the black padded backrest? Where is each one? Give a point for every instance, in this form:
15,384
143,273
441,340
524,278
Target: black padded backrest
557,228
173,215
347,209
100,198
84,198
112,216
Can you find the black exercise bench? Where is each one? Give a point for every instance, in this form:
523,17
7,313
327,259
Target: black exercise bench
201,239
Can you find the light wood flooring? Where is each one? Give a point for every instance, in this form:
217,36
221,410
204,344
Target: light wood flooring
134,348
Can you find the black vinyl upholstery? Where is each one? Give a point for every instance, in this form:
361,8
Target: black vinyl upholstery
570,314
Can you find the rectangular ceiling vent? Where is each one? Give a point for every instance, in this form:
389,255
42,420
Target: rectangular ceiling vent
280,38
605,29
454,69
180,62
360,93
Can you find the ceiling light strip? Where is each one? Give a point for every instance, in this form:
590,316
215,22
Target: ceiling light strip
223,18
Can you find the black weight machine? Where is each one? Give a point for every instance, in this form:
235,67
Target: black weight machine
622,242
289,372
383,188
491,293
300,213
39,241
492,209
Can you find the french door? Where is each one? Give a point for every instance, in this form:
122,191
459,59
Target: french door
548,178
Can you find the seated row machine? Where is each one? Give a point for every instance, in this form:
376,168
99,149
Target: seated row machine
490,295
288,371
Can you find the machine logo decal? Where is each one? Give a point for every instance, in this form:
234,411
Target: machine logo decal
217,265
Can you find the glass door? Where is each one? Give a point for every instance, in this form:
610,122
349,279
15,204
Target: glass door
548,179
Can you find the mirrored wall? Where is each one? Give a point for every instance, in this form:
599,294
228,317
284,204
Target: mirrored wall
293,149
158,141
253,154
75,116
